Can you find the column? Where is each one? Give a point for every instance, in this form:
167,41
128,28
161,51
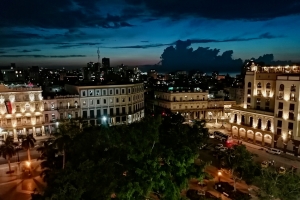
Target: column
33,131
15,134
43,130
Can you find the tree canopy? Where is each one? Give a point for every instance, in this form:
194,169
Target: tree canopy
151,159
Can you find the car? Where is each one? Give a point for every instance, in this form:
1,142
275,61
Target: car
281,170
219,146
264,164
223,149
211,135
273,151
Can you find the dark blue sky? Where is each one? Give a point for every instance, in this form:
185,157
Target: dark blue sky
136,32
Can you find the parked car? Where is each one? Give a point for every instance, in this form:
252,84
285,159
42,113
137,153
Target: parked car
211,135
202,146
219,146
223,149
273,151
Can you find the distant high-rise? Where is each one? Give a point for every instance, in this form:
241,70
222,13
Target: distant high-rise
105,62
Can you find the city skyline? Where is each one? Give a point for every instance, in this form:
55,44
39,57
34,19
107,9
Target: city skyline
68,33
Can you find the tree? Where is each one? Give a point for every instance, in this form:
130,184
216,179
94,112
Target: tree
239,161
28,143
63,137
7,150
154,157
273,185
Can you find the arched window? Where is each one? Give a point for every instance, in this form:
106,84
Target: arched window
235,118
268,86
268,125
259,85
243,119
249,84
259,123
293,88
281,87
251,121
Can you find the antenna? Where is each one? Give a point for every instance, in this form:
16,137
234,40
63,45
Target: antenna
98,52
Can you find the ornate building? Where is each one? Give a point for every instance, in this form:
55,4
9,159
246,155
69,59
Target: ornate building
270,114
112,104
192,103
21,108
60,107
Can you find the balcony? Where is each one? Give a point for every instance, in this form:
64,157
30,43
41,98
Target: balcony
293,99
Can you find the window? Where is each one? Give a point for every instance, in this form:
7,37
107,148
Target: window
84,114
267,102
117,111
123,91
279,114
83,93
249,84
280,105
123,110
105,111
104,101
291,116
292,97
17,108
117,91
92,114
98,113
104,92
129,109
28,119
129,99
268,86
110,92
292,107
76,114
258,92
97,92
129,91
111,111
291,126
98,101
279,131
281,87
279,123
249,91
293,88
117,100
259,85
248,100
91,93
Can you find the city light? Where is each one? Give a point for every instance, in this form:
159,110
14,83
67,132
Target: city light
104,118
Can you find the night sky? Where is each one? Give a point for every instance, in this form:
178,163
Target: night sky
214,34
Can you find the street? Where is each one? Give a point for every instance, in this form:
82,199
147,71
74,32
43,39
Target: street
22,155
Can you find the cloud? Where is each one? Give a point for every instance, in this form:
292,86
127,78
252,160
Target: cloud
42,56
146,41
215,9
199,41
71,45
139,46
1,52
28,51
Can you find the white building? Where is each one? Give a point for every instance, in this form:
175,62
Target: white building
112,104
270,114
192,103
21,110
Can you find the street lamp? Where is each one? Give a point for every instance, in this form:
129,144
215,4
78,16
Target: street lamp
219,175
222,122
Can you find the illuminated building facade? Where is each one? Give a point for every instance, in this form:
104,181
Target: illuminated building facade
270,114
21,111
60,107
192,103
110,104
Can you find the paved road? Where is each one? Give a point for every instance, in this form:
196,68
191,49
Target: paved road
23,156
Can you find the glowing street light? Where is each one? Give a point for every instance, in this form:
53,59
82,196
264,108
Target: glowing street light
219,175
104,118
